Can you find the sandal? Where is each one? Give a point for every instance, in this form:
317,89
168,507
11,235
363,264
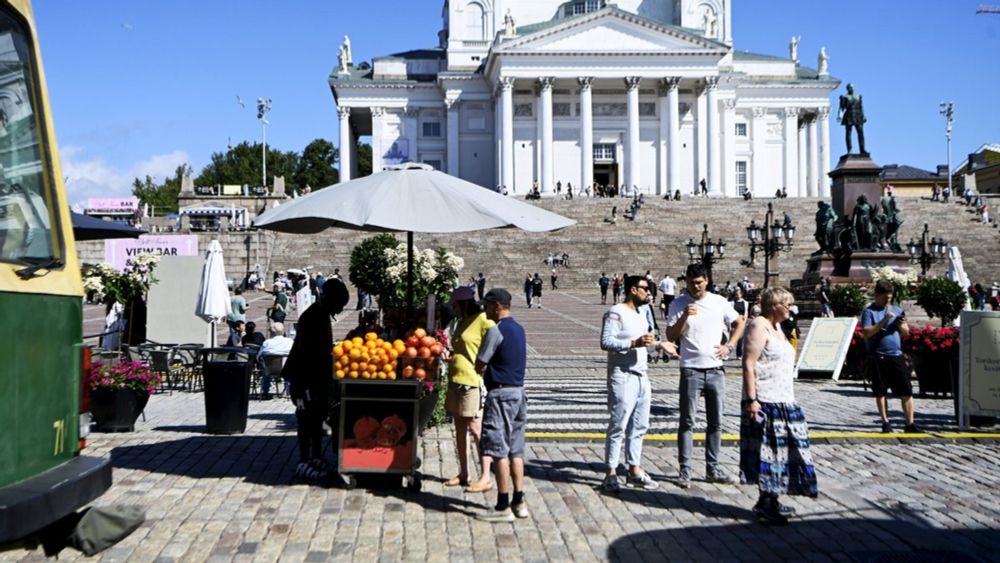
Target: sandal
456,481
479,488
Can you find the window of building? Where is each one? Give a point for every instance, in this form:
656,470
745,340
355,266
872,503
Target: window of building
741,176
582,7
432,129
604,152
741,129
474,22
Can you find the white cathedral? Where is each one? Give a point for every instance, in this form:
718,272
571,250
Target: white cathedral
648,94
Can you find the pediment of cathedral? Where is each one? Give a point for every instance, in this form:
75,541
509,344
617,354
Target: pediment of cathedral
612,31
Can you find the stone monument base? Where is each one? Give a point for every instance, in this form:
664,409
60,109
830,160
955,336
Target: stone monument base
853,268
855,175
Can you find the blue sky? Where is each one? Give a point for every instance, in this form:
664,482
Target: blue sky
138,87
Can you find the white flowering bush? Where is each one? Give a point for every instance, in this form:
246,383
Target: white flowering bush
434,272
109,284
902,283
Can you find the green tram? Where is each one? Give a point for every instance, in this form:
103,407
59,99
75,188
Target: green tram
43,477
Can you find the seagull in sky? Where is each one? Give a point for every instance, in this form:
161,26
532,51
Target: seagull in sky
240,101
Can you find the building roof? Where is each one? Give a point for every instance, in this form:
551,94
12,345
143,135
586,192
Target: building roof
903,173
991,159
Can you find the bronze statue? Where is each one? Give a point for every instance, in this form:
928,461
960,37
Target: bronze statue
894,221
861,221
852,114
826,218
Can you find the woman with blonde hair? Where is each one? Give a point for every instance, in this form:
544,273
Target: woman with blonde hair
774,437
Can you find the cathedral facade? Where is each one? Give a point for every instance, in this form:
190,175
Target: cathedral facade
647,94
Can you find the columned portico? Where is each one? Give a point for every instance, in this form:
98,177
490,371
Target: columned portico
790,150
545,112
712,123
378,118
345,151
824,152
586,132
507,133
453,160
632,176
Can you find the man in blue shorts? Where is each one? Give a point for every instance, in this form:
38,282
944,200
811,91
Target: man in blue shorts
884,326
502,360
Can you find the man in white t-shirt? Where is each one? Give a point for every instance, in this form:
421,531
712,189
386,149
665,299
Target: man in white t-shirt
697,320
668,290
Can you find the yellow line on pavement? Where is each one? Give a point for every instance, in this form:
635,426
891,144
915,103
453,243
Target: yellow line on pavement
814,436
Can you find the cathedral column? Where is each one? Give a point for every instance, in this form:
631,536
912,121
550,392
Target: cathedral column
410,125
712,124
345,143
586,132
507,133
824,152
757,141
670,165
729,147
452,105
790,152
813,157
632,178
802,189
378,118
545,97
701,143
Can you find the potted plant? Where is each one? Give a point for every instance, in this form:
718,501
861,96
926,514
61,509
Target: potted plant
848,300
901,282
119,393
124,293
942,298
934,352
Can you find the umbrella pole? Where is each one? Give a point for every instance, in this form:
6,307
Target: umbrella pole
410,315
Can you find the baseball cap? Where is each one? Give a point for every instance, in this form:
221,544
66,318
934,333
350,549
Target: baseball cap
463,293
497,295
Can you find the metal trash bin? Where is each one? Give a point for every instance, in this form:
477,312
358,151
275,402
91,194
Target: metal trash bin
227,390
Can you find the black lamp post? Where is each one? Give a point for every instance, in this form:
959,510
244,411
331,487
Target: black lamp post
707,252
770,238
927,252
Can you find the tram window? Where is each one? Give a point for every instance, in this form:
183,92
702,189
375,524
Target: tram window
26,197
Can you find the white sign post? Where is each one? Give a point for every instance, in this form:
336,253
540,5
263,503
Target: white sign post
826,346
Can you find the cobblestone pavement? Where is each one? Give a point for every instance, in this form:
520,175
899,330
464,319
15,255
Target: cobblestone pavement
234,498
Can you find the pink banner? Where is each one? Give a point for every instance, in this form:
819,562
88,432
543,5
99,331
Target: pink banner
119,251
112,204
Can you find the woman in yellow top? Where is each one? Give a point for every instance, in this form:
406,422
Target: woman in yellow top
464,401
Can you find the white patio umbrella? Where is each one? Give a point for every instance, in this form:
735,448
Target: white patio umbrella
213,297
408,198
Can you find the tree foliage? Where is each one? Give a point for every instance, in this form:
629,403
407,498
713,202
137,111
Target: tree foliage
943,298
364,160
161,197
243,164
315,167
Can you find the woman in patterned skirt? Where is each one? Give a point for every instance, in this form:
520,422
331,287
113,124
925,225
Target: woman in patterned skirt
774,437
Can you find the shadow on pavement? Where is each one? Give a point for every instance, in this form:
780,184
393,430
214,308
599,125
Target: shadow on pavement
861,540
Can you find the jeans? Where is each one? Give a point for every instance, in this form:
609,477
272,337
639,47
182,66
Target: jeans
628,404
712,382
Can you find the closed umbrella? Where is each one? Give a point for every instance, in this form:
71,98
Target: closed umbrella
956,273
408,198
213,297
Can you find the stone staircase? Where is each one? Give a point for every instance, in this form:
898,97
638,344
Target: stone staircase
656,241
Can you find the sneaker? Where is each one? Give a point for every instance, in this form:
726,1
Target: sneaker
786,510
912,429
720,477
520,509
642,480
887,427
684,479
611,484
493,515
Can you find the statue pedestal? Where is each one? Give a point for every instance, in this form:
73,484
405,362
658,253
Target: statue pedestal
854,267
855,175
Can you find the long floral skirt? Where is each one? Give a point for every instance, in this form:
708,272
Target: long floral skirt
774,453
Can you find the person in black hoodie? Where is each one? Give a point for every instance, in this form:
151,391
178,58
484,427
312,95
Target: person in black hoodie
309,371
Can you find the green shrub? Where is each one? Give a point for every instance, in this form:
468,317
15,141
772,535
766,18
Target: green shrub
942,297
369,264
848,300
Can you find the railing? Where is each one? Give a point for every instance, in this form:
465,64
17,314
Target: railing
482,43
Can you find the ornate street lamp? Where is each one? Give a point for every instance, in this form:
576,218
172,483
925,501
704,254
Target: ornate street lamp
707,252
770,238
926,252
